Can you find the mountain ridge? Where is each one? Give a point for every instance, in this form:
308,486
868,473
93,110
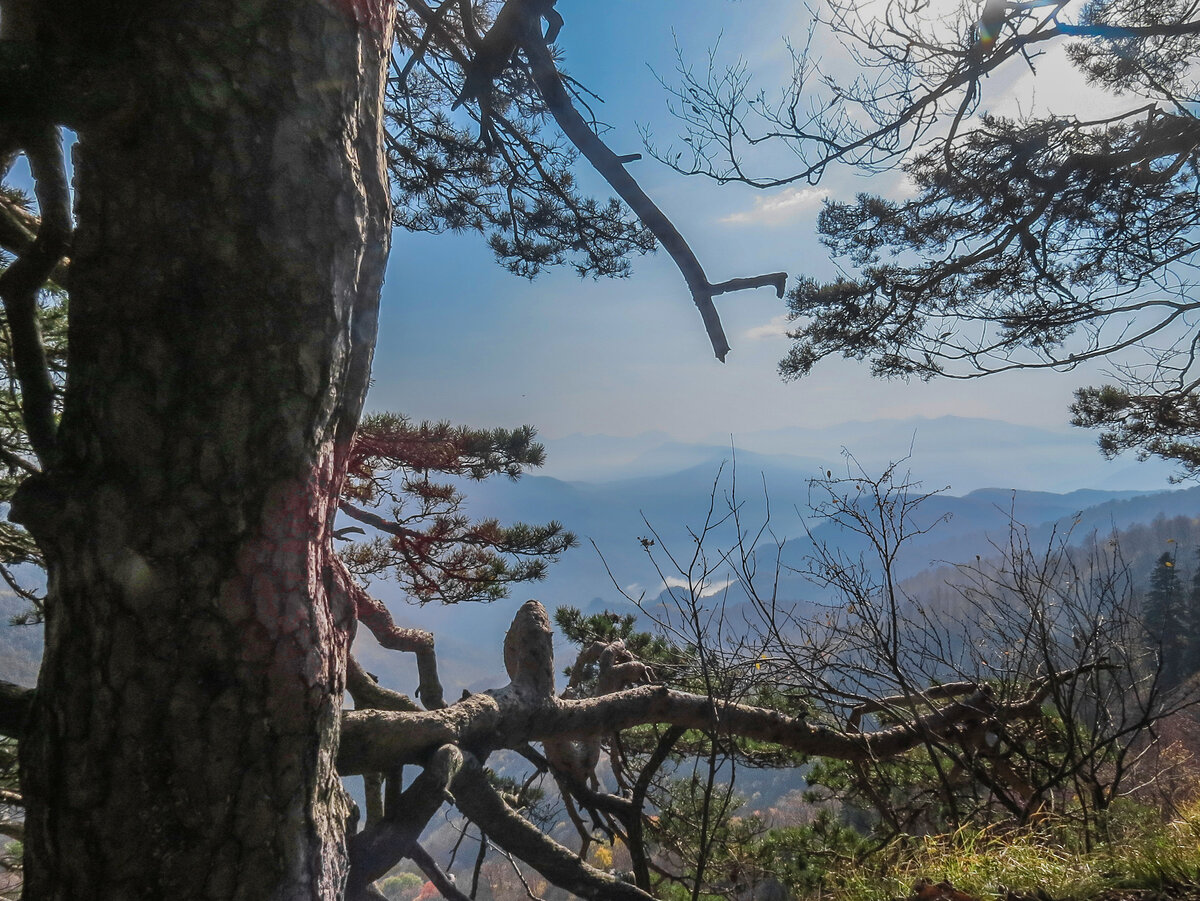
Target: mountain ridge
965,453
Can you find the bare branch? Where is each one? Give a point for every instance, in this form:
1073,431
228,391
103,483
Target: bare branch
381,845
369,694
418,855
512,716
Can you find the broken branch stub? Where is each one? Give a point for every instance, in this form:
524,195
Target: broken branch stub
518,24
611,167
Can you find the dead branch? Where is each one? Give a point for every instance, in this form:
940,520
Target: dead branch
525,710
367,693
609,165
374,850
511,832
427,865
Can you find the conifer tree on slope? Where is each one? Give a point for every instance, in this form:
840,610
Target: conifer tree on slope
1165,614
1192,627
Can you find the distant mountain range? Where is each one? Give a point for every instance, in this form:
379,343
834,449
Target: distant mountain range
660,489
654,488
962,453
614,492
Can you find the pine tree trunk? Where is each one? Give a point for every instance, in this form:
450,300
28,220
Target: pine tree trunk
233,223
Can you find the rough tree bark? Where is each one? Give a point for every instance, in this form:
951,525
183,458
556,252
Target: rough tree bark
232,229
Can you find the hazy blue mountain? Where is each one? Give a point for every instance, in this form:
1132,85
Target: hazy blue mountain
962,453
654,501
655,488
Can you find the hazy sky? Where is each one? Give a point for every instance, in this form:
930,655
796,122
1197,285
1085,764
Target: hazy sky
464,340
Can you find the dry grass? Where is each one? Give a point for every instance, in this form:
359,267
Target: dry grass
1036,863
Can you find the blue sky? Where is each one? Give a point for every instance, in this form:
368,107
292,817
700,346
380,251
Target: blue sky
464,340
461,339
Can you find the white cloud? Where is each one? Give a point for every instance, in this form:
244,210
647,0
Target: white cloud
776,328
704,590
779,208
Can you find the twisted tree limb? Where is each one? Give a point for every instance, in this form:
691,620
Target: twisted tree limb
377,740
25,277
18,231
367,693
526,710
372,613
451,742
380,845
510,831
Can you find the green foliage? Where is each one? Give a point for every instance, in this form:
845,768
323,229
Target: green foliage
1191,660
678,835
526,796
1154,425
1165,616
744,851
503,175
1171,616
422,537
401,887
1047,761
992,240
1036,241
905,793
606,628
801,857
1042,862
767,694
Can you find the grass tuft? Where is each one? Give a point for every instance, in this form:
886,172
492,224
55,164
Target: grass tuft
1042,862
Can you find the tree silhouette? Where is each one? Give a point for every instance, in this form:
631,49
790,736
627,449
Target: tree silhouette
1014,242
1165,613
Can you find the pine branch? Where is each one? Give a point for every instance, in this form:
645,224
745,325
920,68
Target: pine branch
372,613
1126,32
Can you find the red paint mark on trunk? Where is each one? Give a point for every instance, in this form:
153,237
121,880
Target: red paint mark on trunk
368,13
